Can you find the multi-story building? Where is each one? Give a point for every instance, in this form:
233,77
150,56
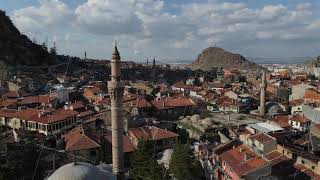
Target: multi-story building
240,163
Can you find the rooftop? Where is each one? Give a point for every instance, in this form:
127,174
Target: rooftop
243,160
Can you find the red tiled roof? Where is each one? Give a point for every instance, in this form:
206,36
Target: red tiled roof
7,102
152,133
282,121
276,157
86,113
92,89
11,94
45,99
7,113
77,140
128,146
36,116
157,133
312,94
131,97
57,116
169,103
262,138
299,118
236,160
296,102
76,105
27,114
138,103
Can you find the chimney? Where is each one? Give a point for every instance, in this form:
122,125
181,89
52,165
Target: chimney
163,104
240,150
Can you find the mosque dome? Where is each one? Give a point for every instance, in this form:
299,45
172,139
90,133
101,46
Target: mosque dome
81,171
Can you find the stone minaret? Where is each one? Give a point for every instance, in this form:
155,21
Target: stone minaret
263,94
116,89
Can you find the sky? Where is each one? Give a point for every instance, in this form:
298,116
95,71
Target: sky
171,30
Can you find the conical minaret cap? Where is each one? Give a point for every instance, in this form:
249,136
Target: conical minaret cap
115,53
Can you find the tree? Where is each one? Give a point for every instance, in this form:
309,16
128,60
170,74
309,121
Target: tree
182,166
143,164
20,163
183,135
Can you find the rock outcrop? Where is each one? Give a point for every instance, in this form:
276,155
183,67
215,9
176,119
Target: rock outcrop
214,57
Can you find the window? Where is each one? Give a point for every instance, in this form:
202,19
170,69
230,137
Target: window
312,167
302,162
93,153
224,165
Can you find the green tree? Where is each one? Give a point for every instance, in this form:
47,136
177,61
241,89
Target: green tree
20,163
144,166
183,166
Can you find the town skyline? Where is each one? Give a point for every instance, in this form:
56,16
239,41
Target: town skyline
267,29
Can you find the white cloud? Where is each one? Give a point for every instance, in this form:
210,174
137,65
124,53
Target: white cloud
51,14
146,27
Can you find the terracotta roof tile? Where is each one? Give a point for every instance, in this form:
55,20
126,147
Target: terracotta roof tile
262,138
296,102
170,103
236,160
299,118
9,113
276,157
138,103
77,140
152,133
128,146
8,102
282,121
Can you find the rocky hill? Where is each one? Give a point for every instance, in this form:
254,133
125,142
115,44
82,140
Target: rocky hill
213,57
17,49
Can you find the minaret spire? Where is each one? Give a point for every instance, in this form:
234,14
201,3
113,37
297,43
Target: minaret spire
116,88
263,86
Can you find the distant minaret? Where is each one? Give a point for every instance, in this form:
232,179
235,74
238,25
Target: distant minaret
116,89
147,61
154,63
85,54
263,86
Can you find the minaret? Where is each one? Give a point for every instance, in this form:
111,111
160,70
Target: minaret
147,61
116,89
154,63
263,94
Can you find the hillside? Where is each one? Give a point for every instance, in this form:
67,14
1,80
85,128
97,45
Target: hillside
17,49
217,57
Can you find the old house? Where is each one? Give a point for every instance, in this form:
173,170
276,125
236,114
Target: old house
299,122
241,163
77,142
163,139
172,107
262,143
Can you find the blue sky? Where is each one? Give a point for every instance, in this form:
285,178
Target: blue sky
171,29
